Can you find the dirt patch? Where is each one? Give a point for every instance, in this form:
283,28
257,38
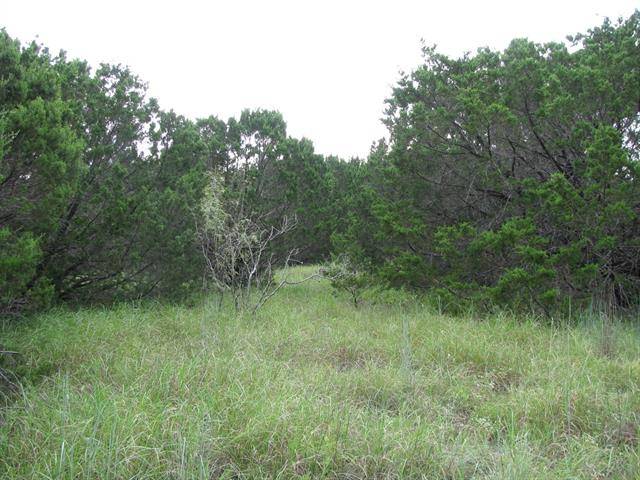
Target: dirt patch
340,357
626,434
499,380
503,380
347,358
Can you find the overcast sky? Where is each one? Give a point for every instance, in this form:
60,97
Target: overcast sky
326,65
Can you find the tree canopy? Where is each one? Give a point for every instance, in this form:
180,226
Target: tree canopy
509,177
512,176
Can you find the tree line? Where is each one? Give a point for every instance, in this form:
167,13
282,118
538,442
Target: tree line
101,190
508,178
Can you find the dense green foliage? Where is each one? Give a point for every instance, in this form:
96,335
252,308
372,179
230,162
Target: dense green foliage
512,177
509,177
100,189
40,169
84,207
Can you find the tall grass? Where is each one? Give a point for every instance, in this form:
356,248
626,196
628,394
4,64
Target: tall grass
313,387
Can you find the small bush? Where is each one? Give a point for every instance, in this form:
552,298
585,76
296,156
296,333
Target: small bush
346,276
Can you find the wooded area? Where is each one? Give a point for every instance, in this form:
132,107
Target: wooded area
213,299
509,178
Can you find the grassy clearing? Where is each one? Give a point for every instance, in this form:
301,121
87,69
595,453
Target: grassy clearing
312,387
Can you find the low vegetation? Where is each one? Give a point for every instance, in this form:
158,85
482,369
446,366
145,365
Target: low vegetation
312,386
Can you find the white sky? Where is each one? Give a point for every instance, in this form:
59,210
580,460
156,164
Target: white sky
326,65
